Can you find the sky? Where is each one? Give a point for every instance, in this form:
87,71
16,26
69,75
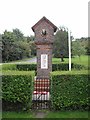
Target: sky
23,14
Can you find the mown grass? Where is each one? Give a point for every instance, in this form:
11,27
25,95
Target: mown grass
8,66
82,60
68,114
14,72
49,114
17,115
73,72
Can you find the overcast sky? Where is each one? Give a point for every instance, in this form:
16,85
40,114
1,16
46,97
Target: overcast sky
23,14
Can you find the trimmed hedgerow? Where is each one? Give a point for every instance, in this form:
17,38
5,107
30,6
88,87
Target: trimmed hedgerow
80,67
26,67
55,67
17,89
65,67
69,92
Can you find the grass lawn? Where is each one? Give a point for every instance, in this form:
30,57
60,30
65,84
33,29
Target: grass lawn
14,72
17,115
73,72
68,114
50,114
83,60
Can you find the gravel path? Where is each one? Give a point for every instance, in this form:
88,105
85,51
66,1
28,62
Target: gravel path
32,60
40,114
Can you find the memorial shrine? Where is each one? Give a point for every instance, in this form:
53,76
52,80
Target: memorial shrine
44,38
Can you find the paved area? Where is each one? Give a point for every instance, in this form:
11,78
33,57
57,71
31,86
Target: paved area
40,115
31,60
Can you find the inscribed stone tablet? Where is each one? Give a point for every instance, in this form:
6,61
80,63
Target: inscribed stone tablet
44,61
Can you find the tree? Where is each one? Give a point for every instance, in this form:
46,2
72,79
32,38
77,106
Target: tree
33,49
87,45
15,46
7,45
32,45
25,49
60,45
0,48
88,50
18,35
77,48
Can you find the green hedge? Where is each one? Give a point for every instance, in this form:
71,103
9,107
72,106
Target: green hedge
26,67
17,89
30,67
55,67
65,67
69,92
80,67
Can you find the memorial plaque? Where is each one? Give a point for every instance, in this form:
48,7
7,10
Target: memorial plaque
44,61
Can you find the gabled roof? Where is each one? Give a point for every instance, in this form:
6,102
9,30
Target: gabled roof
44,19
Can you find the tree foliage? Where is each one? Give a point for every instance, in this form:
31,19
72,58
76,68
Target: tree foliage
0,48
15,46
61,43
79,47
30,40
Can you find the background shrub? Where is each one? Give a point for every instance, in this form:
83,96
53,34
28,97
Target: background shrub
69,92
17,90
